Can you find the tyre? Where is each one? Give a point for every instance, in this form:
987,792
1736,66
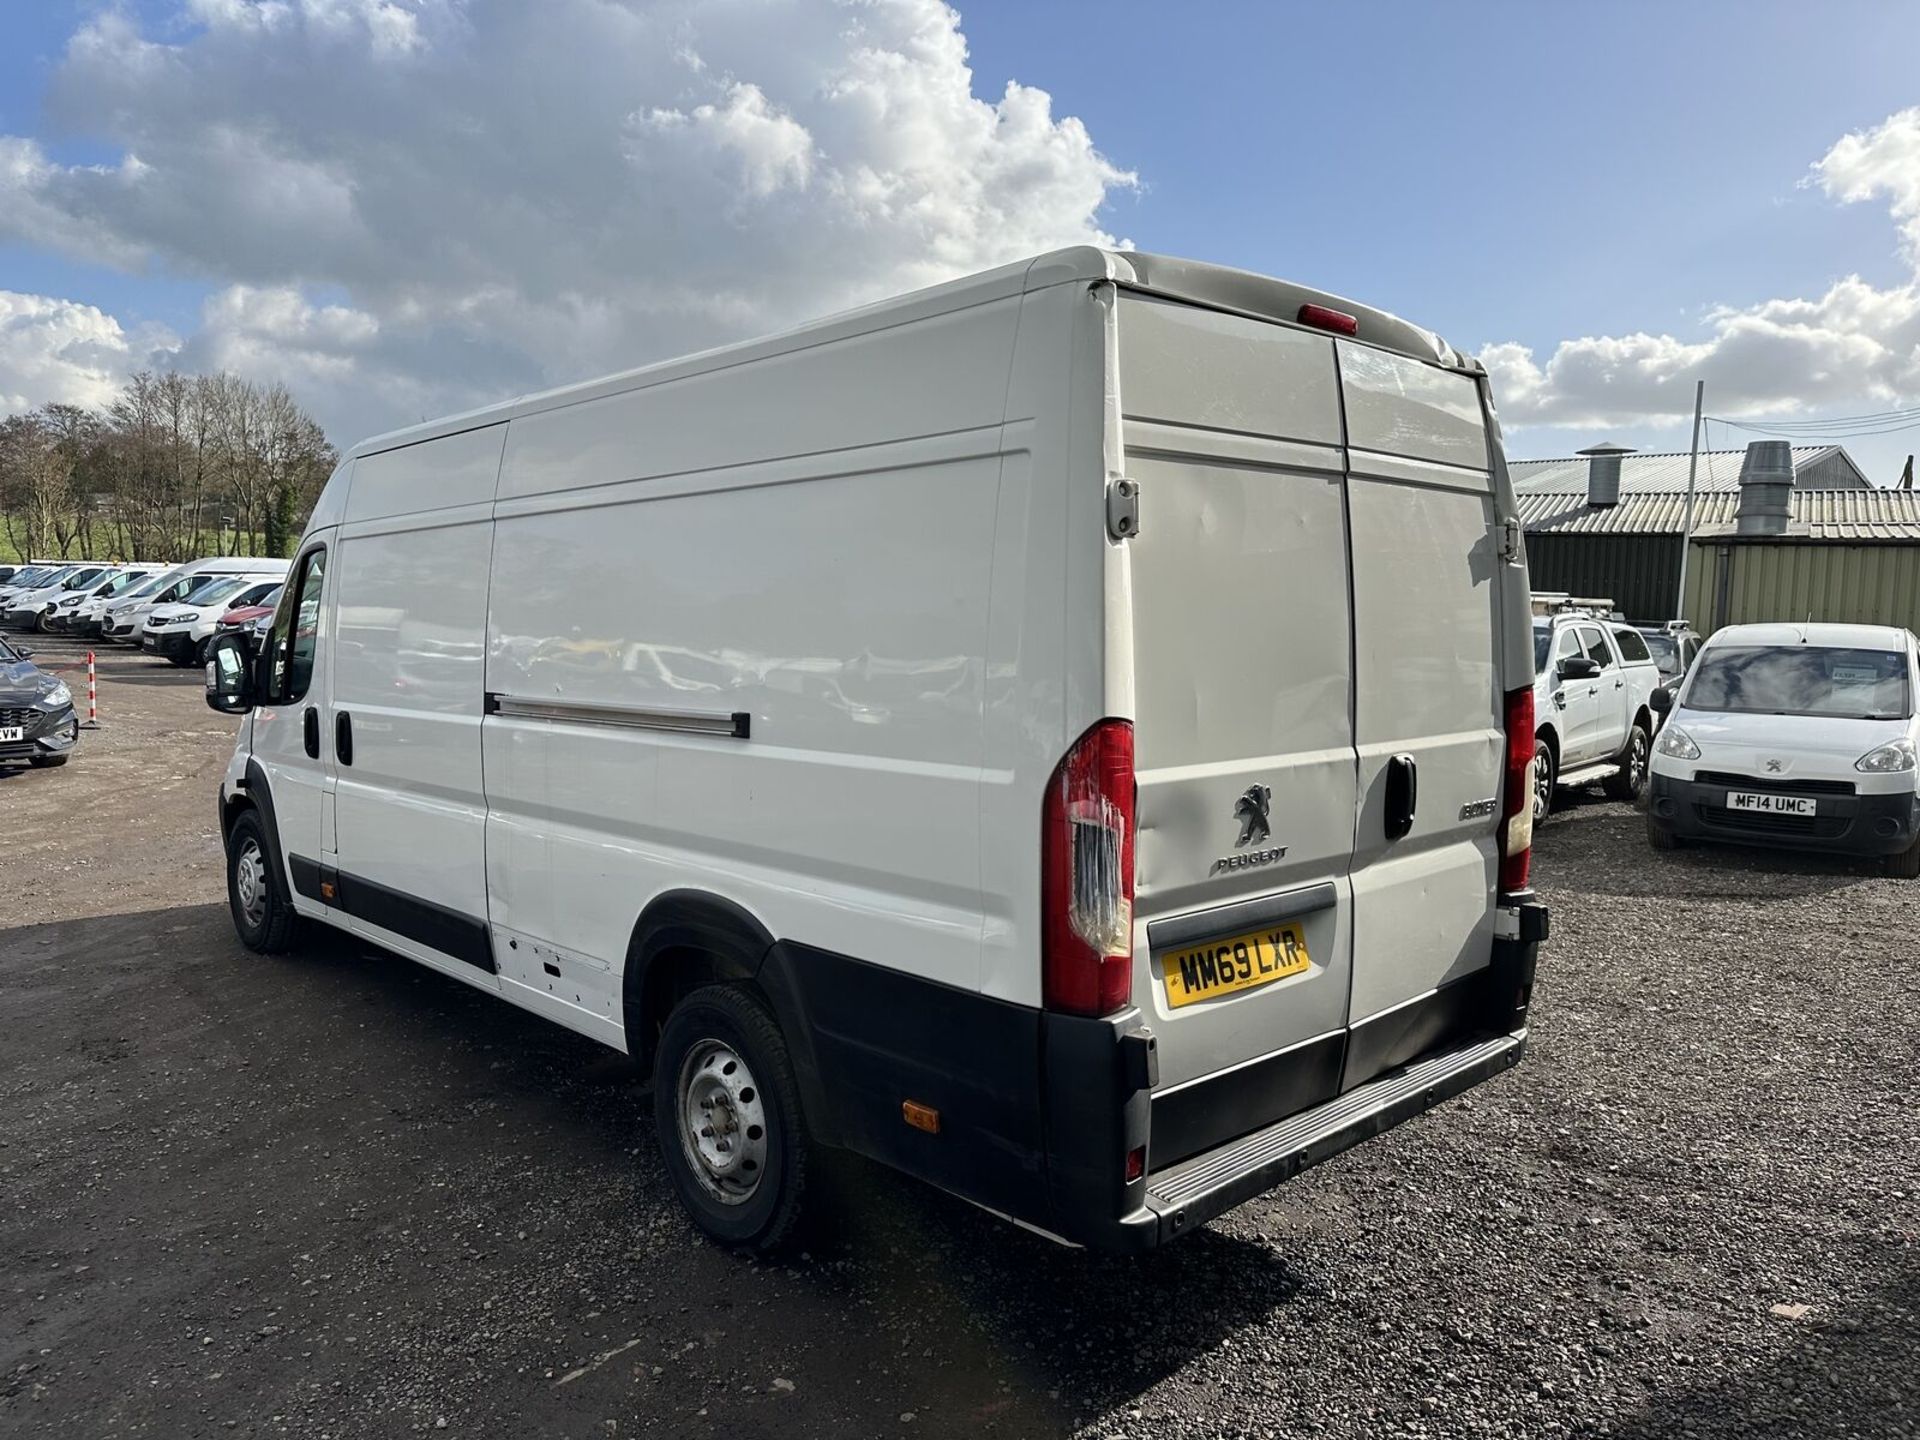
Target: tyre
1629,782
1661,837
48,762
183,661
1906,864
41,623
727,1111
256,894
1545,775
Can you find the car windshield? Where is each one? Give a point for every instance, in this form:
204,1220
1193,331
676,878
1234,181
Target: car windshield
82,578
7,653
216,587
1542,643
1666,650
1834,681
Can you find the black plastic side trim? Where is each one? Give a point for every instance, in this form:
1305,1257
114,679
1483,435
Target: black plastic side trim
435,926
306,878
1247,915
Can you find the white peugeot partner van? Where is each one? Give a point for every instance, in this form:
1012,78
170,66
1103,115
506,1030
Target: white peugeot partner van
1064,733
1799,736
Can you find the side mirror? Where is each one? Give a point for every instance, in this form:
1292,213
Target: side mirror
1579,667
230,688
1661,701
23,652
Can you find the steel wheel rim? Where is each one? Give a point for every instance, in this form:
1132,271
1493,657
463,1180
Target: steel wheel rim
723,1122
1542,783
250,882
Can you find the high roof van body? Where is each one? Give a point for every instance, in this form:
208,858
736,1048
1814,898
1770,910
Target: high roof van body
1064,734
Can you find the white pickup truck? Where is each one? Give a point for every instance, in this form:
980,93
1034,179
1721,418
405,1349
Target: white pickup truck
1593,680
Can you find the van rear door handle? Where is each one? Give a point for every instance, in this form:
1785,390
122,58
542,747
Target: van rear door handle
1403,795
343,738
310,732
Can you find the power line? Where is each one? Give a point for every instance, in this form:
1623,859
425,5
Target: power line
1813,433
1871,417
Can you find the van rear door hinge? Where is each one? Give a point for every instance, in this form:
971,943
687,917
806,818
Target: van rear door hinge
1509,540
1123,508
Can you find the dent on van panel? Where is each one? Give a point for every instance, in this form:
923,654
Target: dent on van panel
1405,407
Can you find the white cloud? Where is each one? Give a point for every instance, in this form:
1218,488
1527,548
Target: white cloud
1857,346
58,352
420,204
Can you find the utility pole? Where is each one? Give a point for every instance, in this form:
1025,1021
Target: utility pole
1686,532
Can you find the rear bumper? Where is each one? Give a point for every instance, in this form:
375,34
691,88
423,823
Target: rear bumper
1841,824
1039,1111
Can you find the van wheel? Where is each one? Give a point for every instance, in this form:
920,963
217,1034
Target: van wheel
727,1111
1661,837
1630,779
262,914
1545,776
1906,864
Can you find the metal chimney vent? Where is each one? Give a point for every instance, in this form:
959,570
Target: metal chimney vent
1766,489
1603,474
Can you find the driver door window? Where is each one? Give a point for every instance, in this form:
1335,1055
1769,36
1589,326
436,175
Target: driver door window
296,632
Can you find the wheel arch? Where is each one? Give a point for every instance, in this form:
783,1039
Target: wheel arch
255,794
684,939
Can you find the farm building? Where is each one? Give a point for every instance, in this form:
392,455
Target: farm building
1805,534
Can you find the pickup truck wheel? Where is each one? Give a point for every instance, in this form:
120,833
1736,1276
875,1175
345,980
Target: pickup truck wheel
1630,779
1545,776
727,1112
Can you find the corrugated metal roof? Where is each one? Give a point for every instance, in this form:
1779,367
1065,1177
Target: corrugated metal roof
1832,515
1719,470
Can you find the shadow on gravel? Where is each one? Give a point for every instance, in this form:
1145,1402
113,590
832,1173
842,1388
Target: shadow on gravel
1849,1375
338,1103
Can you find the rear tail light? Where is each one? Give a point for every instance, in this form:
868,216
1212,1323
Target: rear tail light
1086,869
1516,794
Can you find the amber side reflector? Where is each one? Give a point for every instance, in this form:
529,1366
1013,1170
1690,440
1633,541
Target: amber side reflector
326,890
920,1117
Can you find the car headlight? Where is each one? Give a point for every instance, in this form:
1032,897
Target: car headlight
185,618
1676,744
58,698
1888,759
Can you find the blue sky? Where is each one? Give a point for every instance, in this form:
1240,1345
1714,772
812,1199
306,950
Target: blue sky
1502,172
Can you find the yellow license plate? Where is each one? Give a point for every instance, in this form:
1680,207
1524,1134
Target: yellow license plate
1240,962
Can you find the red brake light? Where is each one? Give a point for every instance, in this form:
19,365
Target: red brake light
1323,318
1516,794
1086,866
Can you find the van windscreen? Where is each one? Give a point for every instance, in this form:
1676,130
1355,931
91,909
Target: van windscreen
1840,683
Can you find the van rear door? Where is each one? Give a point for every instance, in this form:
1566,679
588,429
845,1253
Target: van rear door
1243,692
1428,721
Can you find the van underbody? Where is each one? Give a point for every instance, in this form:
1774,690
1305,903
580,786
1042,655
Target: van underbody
1075,707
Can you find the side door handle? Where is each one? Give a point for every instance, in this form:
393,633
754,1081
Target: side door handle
343,738
1403,794
310,732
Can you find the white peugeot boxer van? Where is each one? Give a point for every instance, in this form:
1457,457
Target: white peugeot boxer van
1064,733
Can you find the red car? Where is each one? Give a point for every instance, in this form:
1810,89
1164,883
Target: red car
248,616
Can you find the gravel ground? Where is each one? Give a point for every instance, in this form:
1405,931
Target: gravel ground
337,1195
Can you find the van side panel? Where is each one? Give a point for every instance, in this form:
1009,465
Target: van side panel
408,645
812,565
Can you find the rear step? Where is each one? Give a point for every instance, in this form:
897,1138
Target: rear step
1196,1190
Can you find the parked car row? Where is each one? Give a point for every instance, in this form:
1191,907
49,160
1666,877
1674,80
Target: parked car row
173,612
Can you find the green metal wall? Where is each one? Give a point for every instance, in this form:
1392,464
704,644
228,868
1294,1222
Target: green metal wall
1639,572
1791,580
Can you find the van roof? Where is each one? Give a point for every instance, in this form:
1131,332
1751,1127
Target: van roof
1218,287
1855,637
